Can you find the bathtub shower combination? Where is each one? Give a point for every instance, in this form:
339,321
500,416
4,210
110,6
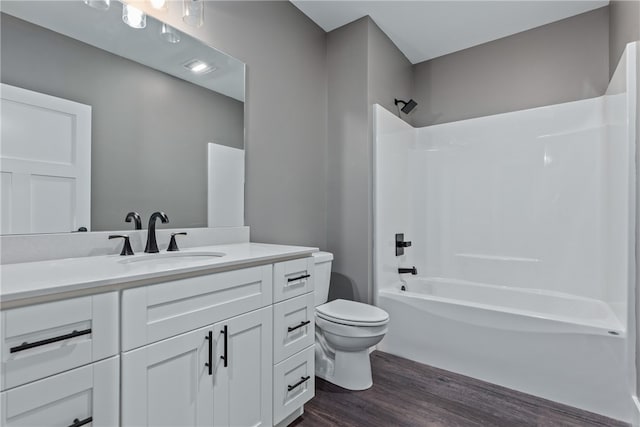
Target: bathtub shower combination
522,228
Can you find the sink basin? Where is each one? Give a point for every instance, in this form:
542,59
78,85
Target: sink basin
171,257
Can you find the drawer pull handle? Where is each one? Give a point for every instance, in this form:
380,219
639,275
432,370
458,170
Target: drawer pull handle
78,423
26,345
302,381
293,328
210,363
293,279
224,357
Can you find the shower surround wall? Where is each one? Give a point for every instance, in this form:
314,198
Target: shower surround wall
522,229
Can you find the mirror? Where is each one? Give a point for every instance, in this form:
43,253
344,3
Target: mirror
85,95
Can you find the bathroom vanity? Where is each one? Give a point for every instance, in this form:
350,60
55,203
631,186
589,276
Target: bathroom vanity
191,338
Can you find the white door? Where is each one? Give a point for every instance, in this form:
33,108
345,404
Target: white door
225,186
83,396
169,383
45,163
242,394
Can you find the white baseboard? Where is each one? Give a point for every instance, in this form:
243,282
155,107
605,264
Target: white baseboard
635,418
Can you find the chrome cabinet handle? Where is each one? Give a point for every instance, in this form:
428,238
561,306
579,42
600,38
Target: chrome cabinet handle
293,328
302,381
28,345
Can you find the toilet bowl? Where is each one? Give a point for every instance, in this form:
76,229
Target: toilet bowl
345,331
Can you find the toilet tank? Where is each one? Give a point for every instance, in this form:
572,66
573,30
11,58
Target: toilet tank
322,276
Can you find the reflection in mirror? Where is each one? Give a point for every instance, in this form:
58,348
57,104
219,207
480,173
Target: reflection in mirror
100,119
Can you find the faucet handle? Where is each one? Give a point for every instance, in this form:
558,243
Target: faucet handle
173,246
126,247
401,244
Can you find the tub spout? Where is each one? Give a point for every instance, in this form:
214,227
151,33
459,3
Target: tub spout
413,270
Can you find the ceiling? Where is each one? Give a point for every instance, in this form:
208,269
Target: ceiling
424,29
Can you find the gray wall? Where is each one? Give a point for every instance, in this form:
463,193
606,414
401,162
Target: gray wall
364,67
390,72
559,62
286,126
348,202
149,130
624,27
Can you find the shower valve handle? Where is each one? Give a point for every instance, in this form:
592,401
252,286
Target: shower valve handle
401,244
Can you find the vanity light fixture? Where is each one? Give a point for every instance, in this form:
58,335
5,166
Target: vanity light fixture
198,67
193,12
98,4
170,34
159,4
133,17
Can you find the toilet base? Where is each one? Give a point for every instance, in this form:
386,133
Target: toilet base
349,369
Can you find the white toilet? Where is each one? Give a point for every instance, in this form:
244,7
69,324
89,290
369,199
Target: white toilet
345,330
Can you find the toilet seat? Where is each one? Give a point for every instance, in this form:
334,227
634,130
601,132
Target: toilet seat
352,313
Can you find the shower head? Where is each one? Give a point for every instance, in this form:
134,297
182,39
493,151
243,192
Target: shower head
408,105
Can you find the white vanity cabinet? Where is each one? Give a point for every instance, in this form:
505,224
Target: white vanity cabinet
228,348
293,338
217,375
205,350
59,363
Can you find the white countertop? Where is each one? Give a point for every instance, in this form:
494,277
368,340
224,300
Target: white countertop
30,282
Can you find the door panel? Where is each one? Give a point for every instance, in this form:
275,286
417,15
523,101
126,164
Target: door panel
45,161
168,383
243,386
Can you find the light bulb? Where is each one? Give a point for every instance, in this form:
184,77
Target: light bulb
170,34
193,12
133,17
98,4
158,4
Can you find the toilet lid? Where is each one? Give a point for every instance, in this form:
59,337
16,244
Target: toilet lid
351,312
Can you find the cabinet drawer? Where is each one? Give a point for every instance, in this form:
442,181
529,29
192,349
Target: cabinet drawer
155,312
292,278
293,326
46,339
293,383
82,393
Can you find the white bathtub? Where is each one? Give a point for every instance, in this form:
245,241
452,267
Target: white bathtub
557,346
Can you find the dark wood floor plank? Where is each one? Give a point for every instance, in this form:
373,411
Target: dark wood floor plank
410,394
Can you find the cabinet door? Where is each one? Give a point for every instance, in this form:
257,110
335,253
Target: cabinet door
86,395
169,383
242,394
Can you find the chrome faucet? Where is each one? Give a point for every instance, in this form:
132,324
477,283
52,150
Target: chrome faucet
152,244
